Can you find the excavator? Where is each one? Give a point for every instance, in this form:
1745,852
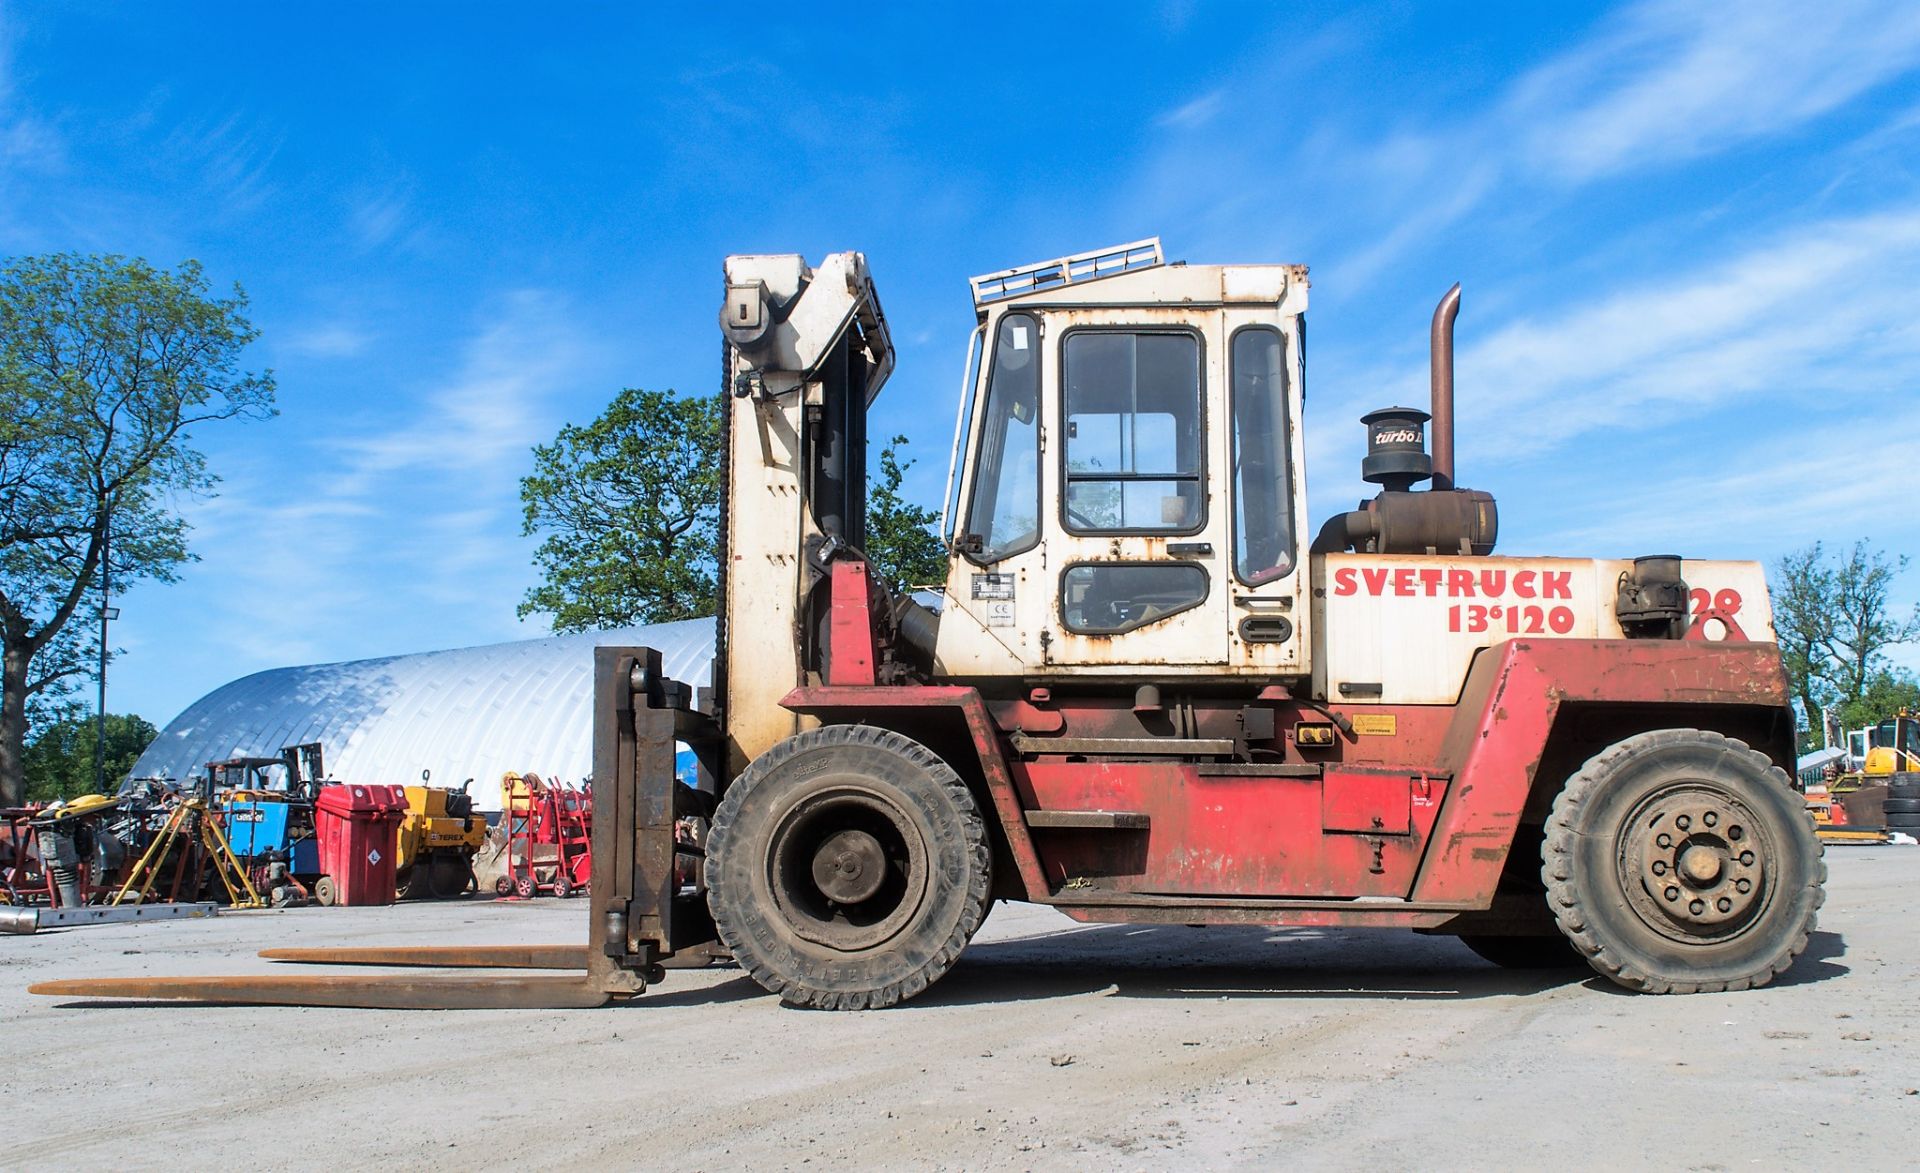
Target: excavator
1147,691
1883,789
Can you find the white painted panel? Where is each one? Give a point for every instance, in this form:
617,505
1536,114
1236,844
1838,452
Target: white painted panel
1412,623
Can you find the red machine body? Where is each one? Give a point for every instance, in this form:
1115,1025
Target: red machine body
1424,820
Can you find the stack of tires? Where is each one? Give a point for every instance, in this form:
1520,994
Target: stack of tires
1903,803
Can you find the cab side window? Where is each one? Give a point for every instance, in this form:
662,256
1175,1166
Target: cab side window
1003,517
1263,539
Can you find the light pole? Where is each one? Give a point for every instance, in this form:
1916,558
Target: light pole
100,715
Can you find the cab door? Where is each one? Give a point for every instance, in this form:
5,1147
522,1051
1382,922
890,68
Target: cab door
1136,529
1268,613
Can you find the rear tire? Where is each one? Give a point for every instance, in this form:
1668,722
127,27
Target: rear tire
1543,952
1681,861
847,868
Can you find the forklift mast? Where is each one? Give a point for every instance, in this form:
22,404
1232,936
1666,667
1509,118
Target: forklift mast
807,351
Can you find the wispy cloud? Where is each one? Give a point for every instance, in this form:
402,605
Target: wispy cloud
1656,84
491,407
1672,80
1756,495
231,158
1825,310
377,220
325,340
385,216
416,512
1198,112
29,145
1814,319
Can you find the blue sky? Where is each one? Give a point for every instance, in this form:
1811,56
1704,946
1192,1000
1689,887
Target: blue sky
1689,236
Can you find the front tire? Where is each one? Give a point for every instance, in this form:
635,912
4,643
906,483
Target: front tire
847,868
1681,861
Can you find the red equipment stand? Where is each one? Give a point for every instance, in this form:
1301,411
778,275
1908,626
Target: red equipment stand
21,876
549,839
572,813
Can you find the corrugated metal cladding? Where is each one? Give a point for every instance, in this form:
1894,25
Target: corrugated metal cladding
468,713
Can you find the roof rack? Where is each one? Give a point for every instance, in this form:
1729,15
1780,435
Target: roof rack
1101,262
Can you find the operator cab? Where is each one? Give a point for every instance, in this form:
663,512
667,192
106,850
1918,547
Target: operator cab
1129,497
1895,745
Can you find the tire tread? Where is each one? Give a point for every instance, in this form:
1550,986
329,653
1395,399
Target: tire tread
1566,899
819,996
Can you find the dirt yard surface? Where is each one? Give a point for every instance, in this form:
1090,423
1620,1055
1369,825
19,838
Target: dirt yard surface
1051,1045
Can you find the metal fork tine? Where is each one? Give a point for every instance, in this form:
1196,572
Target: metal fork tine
386,992
572,957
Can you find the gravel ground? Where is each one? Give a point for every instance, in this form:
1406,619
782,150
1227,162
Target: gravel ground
1051,1045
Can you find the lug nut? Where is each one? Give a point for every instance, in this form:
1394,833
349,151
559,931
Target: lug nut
1664,839
1659,867
1746,857
1697,907
1735,833
1723,904
1683,822
1709,818
1743,885
1673,894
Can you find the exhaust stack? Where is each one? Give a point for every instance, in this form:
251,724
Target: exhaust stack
1443,520
1440,386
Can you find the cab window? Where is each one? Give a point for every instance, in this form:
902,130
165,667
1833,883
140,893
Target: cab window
1108,598
1263,539
1003,517
1132,406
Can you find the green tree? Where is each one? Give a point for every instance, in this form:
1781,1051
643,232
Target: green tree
1887,693
1801,587
1836,621
106,367
60,758
902,547
629,505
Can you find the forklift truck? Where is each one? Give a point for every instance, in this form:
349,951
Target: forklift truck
1149,692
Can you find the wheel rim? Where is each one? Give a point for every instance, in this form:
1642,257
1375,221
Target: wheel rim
1696,863
847,868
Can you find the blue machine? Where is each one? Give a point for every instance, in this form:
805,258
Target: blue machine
256,828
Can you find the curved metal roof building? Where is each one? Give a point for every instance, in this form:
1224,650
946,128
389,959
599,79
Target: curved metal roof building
468,713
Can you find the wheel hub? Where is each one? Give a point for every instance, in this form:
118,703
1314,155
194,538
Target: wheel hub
1701,864
849,867
1696,867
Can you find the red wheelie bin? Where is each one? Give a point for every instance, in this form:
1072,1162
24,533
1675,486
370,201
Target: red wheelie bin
358,828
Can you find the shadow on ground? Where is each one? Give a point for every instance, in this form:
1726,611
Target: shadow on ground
1177,961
